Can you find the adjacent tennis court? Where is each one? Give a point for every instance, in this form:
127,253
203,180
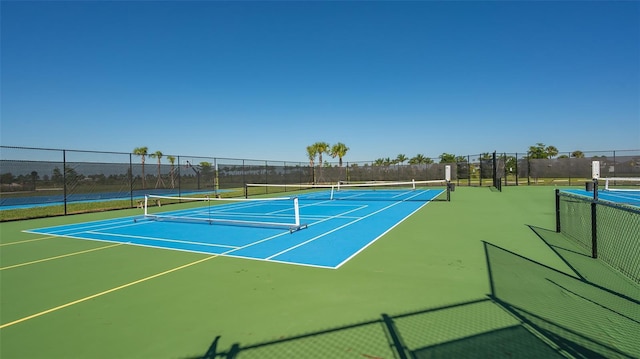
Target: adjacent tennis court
629,198
318,230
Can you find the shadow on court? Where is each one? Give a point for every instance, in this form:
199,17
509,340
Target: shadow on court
533,311
475,329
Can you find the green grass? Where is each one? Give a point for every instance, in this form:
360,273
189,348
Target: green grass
450,274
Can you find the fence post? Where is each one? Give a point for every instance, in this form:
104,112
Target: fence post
64,179
469,170
558,228
517,169
131,179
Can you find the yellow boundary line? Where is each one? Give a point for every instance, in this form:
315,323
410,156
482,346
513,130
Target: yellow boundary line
60,256
28,240
103,293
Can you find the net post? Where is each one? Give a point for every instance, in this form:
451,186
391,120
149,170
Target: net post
246,190
296,211
594,221
595,175
413,184
146,204
331,196
447,177
595,169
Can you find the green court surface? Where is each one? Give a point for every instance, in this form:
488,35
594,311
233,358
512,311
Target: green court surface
484,275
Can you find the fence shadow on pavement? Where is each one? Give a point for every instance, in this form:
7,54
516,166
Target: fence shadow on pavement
533,311
581,318
473,329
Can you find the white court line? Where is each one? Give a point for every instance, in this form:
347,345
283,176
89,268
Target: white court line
91,225
157,239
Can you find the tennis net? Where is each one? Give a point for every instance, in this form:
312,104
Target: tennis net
281,212
622,184
432,190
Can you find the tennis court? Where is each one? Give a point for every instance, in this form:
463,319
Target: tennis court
482,275
329,231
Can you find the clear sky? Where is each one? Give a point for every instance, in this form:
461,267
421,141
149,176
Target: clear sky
263,80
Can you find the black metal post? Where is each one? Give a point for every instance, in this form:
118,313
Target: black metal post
179,179
505,169
469,170
517,169
131,178
64,179
558,228
494,173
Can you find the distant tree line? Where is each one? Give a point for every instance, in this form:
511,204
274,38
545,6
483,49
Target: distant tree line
537,151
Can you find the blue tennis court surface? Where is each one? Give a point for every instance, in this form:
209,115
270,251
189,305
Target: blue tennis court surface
336,231
631,198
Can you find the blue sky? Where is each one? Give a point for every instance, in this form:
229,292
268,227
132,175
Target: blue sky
263,80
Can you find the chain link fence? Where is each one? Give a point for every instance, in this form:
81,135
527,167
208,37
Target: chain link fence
607,230
38,182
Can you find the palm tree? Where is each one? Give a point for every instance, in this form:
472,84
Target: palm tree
420,159
172,160
539,151
142,152
321,148
401,158
158,155
339,150
577,154
447,158
311,154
